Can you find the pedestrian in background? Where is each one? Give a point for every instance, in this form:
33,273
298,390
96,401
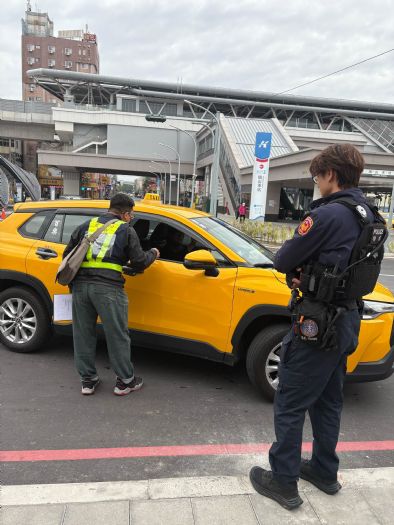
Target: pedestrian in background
242,212
326,324
98,291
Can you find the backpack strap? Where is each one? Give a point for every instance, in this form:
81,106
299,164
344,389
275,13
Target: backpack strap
359,210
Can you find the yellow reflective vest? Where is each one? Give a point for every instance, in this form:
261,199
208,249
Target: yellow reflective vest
102,246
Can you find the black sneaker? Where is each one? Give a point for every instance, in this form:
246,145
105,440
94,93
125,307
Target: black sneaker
285,494
122,389
89,386
329,486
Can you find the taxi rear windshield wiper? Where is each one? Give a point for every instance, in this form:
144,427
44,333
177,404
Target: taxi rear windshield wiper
263,265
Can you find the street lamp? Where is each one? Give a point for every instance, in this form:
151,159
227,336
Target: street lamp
165,178
179,168
169,164
215,167
195,160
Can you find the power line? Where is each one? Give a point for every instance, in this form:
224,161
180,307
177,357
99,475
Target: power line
335,72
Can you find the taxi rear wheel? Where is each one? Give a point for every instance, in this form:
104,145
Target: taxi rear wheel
263,359
24,320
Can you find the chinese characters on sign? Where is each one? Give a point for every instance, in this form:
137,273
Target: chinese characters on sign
260,175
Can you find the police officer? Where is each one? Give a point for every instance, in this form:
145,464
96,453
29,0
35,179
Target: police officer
98,291
313,364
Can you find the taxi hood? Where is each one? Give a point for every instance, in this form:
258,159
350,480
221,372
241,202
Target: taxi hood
380,293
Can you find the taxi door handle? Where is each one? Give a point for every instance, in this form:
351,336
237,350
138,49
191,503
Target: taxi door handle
46,253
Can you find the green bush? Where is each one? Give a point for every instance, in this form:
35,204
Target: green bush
268,232
273,233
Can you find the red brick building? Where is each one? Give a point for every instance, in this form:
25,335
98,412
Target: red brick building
40,49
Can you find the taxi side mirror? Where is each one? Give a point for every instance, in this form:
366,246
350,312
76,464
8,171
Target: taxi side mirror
201,260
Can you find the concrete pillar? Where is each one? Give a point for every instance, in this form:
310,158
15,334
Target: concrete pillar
273,199
71,183
207,181
29,155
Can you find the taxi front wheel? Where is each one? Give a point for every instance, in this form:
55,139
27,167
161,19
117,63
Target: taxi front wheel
24,321
263,358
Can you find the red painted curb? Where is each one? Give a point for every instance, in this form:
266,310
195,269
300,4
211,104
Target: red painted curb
172,451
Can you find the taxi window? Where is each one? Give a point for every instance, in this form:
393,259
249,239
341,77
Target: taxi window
172,242
244,246
35,226
62,227
72,222
54,232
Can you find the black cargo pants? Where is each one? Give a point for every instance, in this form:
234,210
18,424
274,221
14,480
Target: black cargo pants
311,380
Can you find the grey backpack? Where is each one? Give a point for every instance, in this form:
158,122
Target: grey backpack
72,262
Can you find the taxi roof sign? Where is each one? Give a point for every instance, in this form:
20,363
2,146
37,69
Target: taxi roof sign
152,197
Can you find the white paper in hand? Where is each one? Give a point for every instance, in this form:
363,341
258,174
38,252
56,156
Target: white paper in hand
62,307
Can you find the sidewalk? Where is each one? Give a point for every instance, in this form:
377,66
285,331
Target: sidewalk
366,498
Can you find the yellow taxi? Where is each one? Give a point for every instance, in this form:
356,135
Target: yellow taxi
213,294
386,216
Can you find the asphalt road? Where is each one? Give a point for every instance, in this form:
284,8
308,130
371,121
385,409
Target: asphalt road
387,273
184,401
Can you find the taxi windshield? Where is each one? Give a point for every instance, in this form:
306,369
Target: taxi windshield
244,246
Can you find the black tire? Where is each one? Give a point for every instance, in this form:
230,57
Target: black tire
42,323
258,352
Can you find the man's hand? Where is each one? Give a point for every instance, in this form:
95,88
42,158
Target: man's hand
157,252
295,281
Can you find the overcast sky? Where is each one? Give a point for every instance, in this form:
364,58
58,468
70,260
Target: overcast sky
253,44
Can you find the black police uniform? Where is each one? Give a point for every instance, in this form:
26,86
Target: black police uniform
311,379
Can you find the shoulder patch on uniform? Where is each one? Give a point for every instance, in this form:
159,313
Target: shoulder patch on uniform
362,211
305,226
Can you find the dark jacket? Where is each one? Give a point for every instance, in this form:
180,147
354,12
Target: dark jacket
126,249
327,235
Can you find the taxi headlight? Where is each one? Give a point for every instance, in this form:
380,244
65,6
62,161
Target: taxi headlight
373,309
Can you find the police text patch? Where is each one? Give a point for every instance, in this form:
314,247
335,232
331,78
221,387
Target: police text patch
305,226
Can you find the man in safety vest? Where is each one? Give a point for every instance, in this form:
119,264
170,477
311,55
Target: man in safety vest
98,291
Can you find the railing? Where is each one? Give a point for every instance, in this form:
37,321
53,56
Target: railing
70,148
229,176
380,130
20,106
88,144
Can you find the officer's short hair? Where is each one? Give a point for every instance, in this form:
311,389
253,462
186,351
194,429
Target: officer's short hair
121,202
344,159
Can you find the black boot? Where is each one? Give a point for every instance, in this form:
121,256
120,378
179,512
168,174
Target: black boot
286,494
329,486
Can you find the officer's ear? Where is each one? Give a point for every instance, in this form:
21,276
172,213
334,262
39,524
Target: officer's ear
331,176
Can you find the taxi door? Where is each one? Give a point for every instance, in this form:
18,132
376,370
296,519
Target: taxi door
46,254
171,300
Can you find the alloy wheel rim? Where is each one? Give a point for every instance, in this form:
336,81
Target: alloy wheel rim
272,366
18,322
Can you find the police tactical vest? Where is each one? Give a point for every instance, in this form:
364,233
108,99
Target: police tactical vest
102,247
363,270
327,285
